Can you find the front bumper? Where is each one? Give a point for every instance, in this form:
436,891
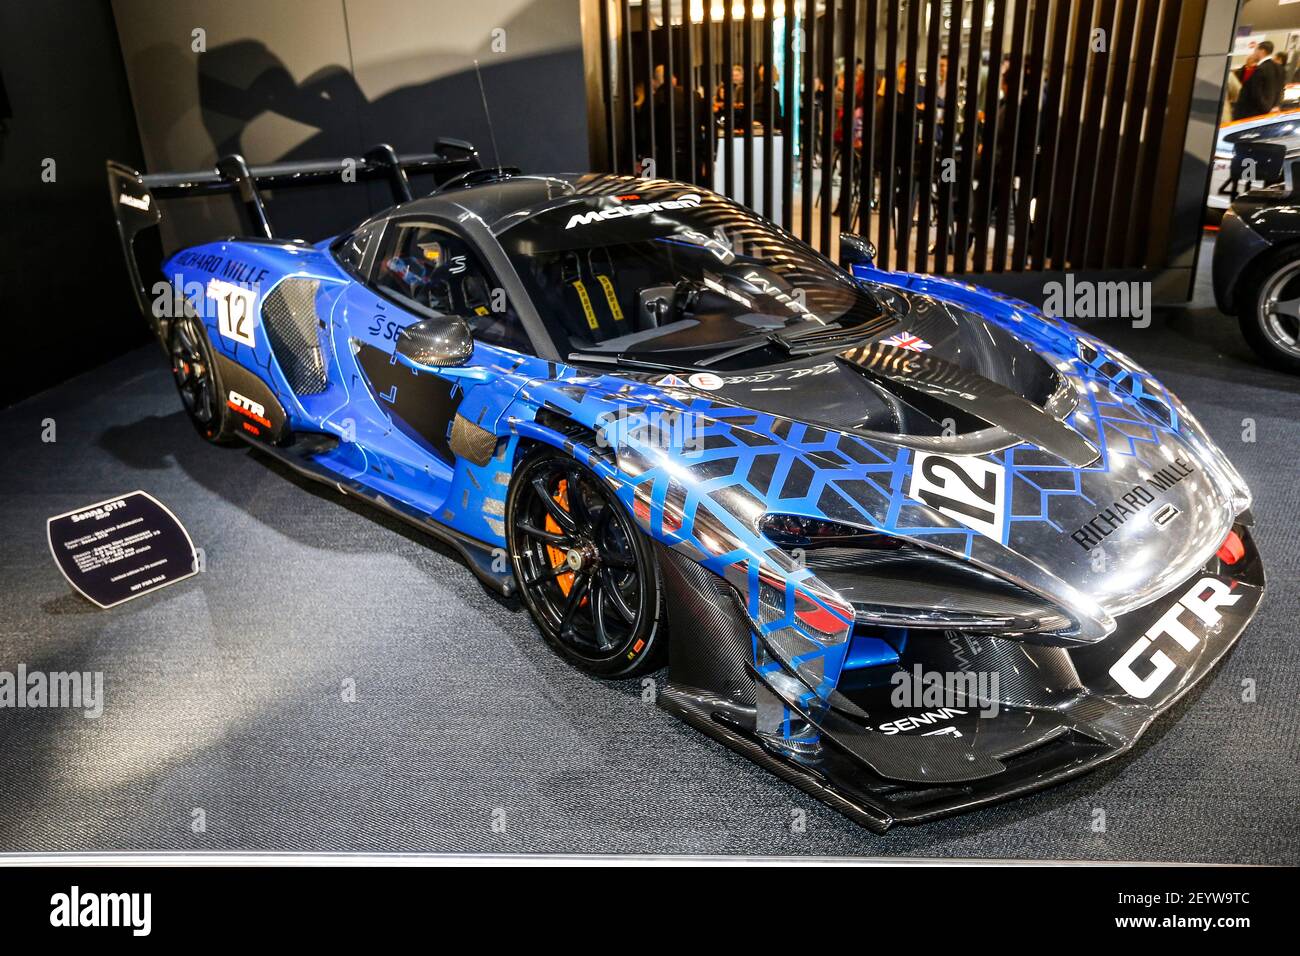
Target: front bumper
1060,713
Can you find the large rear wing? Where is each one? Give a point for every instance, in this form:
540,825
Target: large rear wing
135,195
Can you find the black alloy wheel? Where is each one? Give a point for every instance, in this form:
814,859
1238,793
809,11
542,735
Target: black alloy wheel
198,381
585,571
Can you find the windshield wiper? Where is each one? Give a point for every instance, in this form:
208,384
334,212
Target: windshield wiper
621,360
757,342
830,339
836,344
811,342
827,339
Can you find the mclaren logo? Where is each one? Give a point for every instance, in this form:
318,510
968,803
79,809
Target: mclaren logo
1202,602
687,201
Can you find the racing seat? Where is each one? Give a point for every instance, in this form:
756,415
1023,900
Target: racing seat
591,306
601,266
476,308
476,298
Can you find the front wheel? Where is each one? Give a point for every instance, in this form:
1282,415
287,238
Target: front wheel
1270,308
585,571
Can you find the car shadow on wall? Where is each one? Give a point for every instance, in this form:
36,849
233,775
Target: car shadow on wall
250,103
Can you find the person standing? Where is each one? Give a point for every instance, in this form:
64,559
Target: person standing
731,97
677,164
907,126
1261,83
1283,62
941,96
764,88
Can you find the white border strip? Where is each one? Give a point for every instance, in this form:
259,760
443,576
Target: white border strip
233,858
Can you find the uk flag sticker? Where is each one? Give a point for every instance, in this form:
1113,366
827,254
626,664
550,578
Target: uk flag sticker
906,340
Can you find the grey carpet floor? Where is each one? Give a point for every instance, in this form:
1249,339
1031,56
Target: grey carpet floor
467,734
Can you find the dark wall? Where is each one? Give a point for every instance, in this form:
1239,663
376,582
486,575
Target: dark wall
320,78
88,80
64,298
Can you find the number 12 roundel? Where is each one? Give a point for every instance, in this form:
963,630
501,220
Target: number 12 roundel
969,490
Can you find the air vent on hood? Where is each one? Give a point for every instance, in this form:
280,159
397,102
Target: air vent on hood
1128,382
919,378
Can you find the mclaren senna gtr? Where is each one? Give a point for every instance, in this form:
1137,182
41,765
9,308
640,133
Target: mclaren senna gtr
911,545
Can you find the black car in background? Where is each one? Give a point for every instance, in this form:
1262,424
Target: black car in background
1257,254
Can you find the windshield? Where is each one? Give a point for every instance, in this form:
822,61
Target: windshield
678,277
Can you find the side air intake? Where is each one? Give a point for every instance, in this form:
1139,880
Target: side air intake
293,330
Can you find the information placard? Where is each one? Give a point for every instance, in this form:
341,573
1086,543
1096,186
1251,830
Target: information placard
121,548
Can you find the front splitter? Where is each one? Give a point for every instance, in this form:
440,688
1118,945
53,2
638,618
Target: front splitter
1079,729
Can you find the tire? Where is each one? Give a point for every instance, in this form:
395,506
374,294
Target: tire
585,571
1273,334
198,380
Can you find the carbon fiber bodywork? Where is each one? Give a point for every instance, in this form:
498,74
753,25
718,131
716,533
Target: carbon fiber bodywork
1058,718
292,326
1007,496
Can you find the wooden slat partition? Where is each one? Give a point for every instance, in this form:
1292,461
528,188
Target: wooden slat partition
1039,171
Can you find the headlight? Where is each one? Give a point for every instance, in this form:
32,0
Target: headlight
795,531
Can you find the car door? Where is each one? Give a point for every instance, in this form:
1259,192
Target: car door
421,268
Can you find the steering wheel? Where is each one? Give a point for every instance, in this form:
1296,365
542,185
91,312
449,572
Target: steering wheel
686,296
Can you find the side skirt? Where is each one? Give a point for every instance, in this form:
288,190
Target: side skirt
300,456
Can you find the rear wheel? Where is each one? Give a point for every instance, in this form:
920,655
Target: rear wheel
199,382
1270,308
585,571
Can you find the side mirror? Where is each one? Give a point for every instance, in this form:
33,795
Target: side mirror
437,342
856,251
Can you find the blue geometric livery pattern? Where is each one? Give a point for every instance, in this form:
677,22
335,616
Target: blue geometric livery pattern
970,486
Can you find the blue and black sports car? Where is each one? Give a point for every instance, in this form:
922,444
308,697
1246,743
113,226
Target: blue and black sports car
912,545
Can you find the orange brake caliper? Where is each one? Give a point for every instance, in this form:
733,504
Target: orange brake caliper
556,556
